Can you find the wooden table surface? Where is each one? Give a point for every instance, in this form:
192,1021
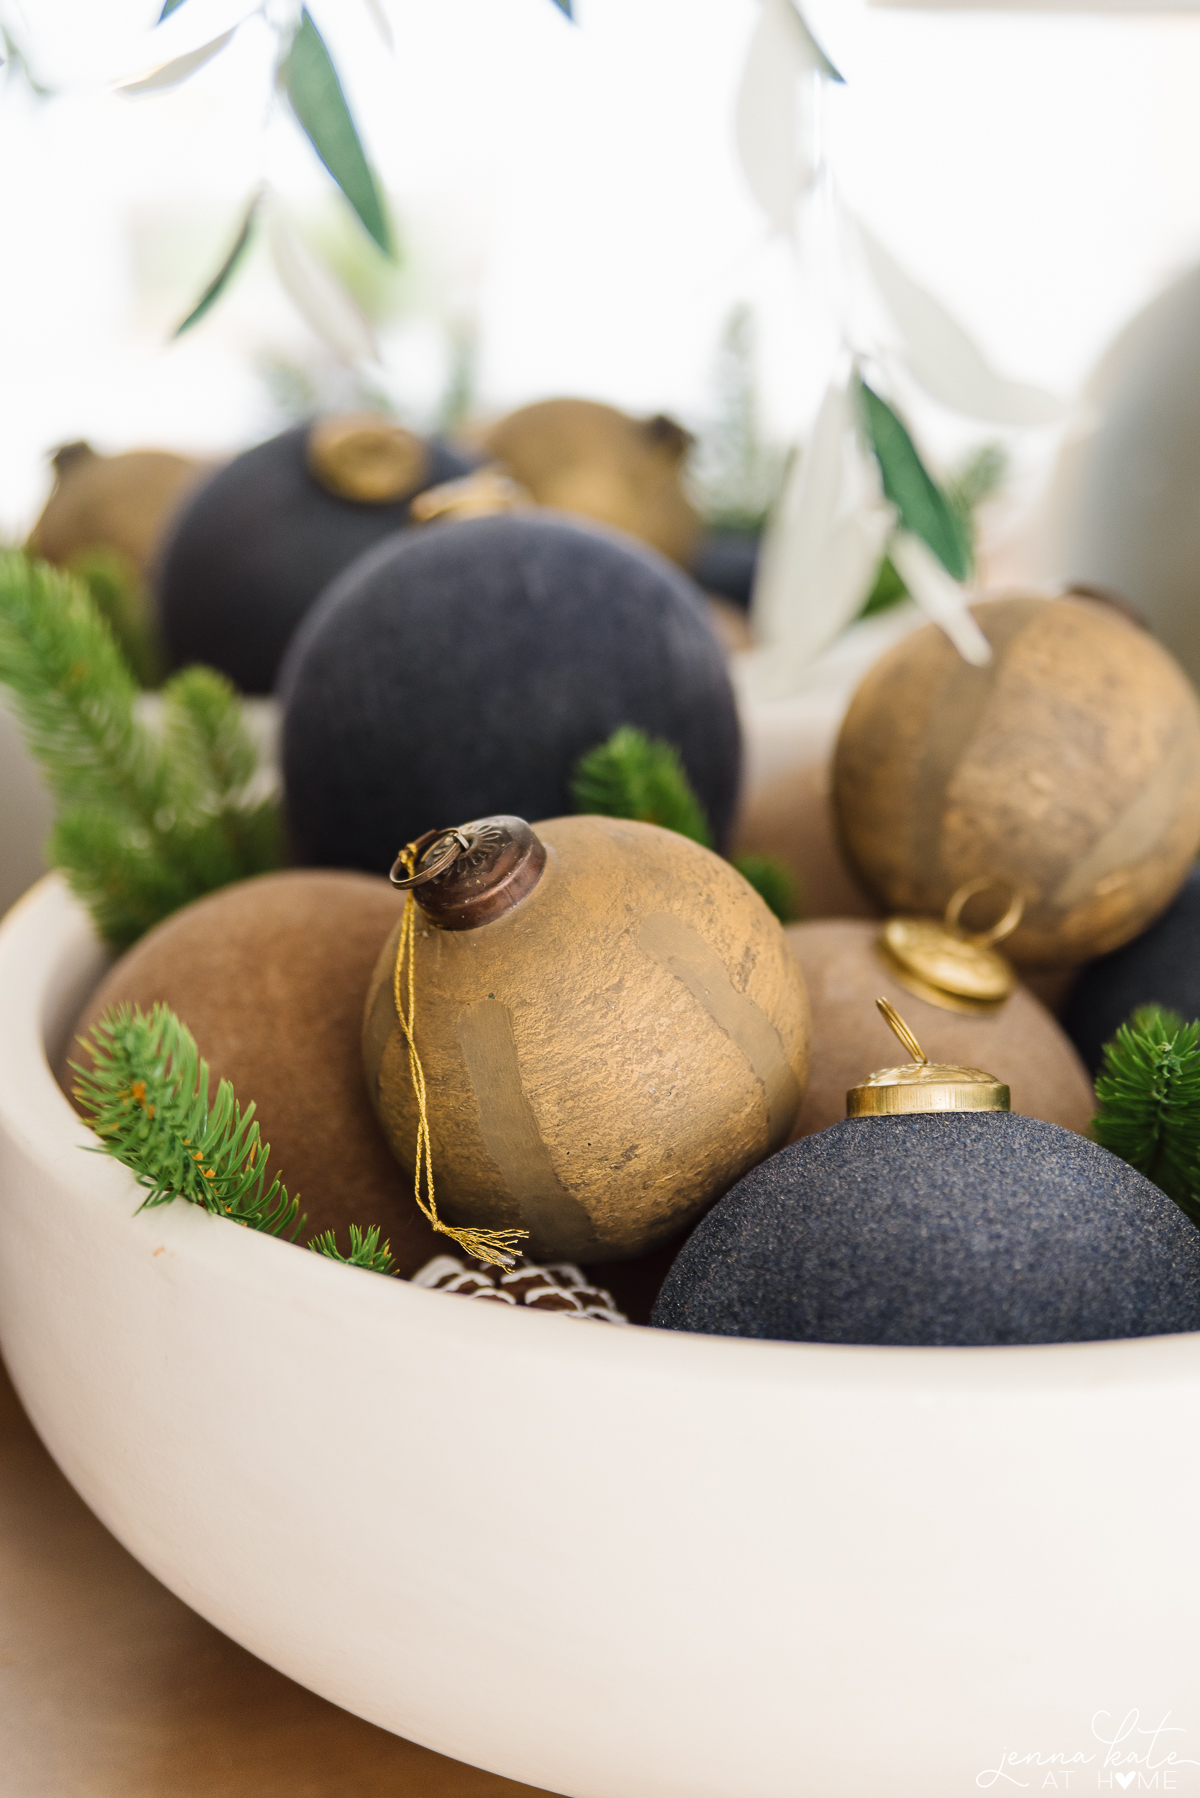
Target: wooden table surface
111,1688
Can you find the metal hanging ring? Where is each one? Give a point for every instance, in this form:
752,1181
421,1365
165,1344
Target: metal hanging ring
456,845
1003,928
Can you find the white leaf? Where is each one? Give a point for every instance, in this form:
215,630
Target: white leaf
949,365
768,113
382,22
319,296
822,548
170,74
939,597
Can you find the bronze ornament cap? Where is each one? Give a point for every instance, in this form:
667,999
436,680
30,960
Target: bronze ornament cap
922,1085
365,457
474,873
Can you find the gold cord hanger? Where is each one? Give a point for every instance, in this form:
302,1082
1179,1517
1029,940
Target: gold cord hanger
499,1247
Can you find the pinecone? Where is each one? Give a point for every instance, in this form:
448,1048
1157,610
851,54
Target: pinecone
560,1287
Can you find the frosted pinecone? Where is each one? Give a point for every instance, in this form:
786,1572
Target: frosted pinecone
560,1287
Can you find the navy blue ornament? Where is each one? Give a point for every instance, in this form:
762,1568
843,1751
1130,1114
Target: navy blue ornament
940,1230
259,542
462,668
1160,967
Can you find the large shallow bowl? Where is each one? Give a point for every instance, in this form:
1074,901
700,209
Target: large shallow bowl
616,1563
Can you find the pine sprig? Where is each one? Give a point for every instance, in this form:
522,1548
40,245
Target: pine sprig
145,821
1148,1097
364,1249
146,1097
635,776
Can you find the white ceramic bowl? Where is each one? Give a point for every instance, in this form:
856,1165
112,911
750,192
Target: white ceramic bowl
616,1563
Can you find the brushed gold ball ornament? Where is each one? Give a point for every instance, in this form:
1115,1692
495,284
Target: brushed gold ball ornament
366,457
1067,766
609,1024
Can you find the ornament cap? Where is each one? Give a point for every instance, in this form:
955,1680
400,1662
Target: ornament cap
922,1085
473,873
366,457
948,966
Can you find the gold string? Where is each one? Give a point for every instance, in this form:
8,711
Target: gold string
495,1246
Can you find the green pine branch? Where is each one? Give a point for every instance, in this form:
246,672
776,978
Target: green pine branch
1148,1098
146,1097
145,822
364,1249
635,776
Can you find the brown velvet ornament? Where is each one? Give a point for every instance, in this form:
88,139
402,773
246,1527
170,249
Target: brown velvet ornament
123,503
579,456
270,977
845,974
606,1058
790,817
1068,765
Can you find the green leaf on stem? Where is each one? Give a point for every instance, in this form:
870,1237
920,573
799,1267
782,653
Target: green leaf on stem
924,509
316,96
225,273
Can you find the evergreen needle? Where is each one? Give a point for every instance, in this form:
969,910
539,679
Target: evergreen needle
1148,1098
146,1097
635,776
364,1249
145,821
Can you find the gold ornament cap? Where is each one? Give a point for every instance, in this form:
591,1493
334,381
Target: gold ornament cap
484,494
949,967
366,457
922,1085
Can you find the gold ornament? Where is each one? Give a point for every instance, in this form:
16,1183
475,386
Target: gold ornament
582,457
366,457
589,1033
1070,763
953,968
922,1085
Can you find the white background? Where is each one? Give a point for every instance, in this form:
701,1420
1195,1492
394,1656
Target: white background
575,192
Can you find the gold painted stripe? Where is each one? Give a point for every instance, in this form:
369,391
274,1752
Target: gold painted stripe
511,1135
684,953
956,715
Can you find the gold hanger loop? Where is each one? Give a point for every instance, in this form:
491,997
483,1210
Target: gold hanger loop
1001,929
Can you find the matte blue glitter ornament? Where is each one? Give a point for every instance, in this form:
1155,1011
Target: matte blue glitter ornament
258,543
934,1216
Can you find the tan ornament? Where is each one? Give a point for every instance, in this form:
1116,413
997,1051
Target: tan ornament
1069,765
582,457
845,971
123,503
366,457
610,1026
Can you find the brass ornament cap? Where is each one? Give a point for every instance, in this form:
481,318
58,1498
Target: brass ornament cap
921,1085
1070,762
480,495
947,966
474,873
605,1058
366,457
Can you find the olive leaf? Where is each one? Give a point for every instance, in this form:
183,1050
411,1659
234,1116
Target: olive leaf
564,6
224,274
822,61
316,96
923,507
170,74
169,7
